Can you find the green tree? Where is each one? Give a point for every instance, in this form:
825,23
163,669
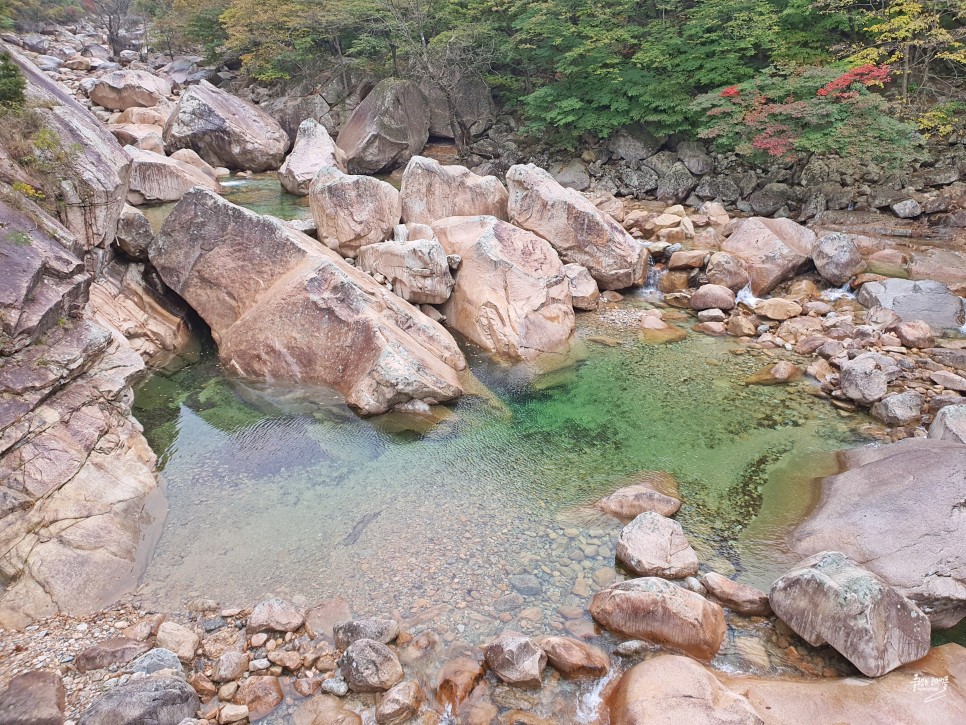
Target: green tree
12,83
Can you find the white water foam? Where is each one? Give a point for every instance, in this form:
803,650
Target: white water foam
589,704
843,292
745,297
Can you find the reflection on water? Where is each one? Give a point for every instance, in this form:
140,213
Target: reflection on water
402,517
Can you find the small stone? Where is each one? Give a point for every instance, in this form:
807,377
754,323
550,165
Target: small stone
262,694
400,704
370,666
230,666
526,584
516,659
275,615
380,630
178,639
232,713
156,660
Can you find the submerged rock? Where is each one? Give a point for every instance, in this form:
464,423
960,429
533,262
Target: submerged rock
511,295
314,149
630,501
370,666
431,191
225,131
658,611
579,231
284,308
895,510
387,129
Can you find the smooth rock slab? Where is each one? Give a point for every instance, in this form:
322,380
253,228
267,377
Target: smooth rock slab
828,598
146,701
579,231
676,690
925,300
658,611
283,307
653,545
370,666
516,659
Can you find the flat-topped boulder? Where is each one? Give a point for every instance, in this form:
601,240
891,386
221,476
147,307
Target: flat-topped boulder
225,130
772,250
431,191
283,307
389,127
313,150
123,89
511,295
926,300
659,611
578,230
895,510
417,268
829,599
351,211
160,179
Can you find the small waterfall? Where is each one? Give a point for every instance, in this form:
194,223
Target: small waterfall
650,289
745,297
589,704
843,292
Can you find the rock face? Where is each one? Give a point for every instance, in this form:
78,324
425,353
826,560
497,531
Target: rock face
474,105
581,233
387,129
837,258
661,612
225,130
271,294
652,545
829,599
314,149
583,288
33,698
431,191
511,295
670,689
417,270
147,701
895,510
123,89
925,300
516,659
159,179
370,666
772,249
352,211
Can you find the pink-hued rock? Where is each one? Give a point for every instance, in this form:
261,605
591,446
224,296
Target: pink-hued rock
431,191
314,149
352,211
772,249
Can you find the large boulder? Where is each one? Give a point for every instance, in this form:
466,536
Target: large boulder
772,250
146,701
474,106
895,510
417,269
829,599
123,89
511,295
921,693
431,191
837,258
283,307
653,545
949,424
159,179
352,211
33,698
579,231
671,690
583,288
387,129
659,611
925,300
225,131
314,149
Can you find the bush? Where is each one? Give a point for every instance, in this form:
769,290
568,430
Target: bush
791,113
12,83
